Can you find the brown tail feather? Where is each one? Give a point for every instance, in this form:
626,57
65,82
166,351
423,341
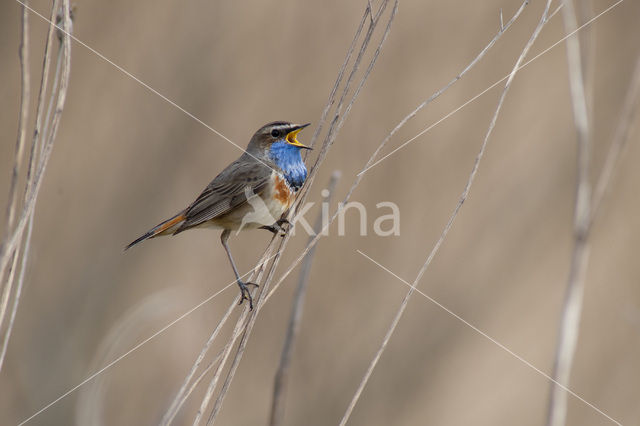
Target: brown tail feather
166,227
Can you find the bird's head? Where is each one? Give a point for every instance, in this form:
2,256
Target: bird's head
281,133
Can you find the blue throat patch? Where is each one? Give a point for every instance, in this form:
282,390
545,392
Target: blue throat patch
288,158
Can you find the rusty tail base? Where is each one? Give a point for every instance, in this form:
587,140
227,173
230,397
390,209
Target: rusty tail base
167,227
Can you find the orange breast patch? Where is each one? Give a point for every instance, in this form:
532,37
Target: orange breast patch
282,192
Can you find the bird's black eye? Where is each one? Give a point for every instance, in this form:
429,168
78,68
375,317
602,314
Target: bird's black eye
275,133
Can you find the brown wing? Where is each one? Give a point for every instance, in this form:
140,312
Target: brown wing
227,191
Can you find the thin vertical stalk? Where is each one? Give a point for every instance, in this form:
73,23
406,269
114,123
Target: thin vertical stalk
572,306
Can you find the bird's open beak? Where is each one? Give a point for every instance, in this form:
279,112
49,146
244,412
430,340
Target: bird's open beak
293,140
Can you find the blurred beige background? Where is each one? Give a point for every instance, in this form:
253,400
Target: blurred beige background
125,159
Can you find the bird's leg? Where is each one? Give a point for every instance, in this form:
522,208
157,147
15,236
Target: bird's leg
277,227
244,289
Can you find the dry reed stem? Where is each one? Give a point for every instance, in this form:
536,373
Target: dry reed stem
16,297
585,10
463,197
197,381
4,301
572,305
570,319
282,373
25,93
47,120
10,251
29,205
39,132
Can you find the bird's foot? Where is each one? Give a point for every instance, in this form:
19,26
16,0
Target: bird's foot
245,294
277,228
281,222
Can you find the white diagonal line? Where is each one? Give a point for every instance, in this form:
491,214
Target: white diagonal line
494,341
136,79
490,87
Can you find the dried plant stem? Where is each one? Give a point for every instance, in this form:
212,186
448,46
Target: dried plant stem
572,306
4,301
586,209
463,197
30,201
40,134
25,93
16,297
282,373
10,252
588,46
47,120
200,377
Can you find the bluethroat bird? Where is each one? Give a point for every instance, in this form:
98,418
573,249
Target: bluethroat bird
255,191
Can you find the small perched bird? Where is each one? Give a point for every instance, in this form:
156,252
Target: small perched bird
255,191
